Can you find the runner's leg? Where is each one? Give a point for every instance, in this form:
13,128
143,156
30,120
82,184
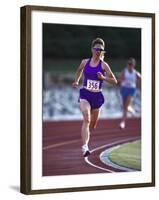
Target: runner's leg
94,119
126,103
86,112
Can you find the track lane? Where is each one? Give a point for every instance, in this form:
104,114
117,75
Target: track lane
62,145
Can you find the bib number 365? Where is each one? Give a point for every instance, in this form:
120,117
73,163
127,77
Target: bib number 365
92,85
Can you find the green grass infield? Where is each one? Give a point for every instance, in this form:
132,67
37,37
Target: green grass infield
127,155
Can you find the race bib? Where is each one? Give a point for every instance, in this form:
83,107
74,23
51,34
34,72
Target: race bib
93,85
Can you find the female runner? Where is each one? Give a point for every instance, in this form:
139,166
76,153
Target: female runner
128,80
95,71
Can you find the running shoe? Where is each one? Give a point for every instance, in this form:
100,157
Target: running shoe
122,125
85,151
131,110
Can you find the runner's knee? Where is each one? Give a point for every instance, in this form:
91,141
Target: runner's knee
86,116
93,124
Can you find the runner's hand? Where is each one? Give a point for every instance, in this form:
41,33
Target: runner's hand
75,84
100,76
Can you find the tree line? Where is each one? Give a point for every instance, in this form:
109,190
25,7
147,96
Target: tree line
62,41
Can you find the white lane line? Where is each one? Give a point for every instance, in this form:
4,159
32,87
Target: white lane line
76,140
106,146
98,167
114,143
60,144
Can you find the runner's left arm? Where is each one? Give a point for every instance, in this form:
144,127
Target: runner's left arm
110,78
138,75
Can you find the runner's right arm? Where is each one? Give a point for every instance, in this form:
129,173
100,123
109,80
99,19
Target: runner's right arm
79,73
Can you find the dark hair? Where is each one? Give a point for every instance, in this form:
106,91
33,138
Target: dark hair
132,60
98,41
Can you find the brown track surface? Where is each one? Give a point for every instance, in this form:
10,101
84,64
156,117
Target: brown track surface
62,145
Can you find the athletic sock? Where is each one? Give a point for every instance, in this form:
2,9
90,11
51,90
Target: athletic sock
85,148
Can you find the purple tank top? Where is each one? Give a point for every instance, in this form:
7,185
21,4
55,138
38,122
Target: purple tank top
91,79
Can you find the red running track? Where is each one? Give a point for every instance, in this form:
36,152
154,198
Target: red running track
62,145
